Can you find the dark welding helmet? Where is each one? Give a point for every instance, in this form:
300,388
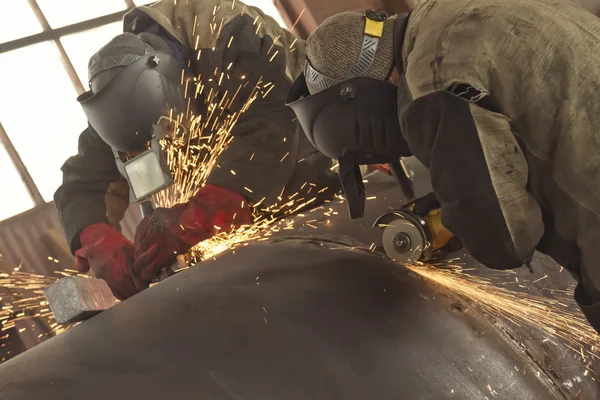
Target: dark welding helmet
353,120
147,101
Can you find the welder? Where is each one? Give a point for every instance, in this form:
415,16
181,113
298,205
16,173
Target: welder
498,99
138,83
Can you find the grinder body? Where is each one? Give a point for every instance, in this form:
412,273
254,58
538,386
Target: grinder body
414,233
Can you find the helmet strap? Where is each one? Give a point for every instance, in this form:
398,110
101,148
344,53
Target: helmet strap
353,186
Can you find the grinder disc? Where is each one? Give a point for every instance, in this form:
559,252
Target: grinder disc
403,241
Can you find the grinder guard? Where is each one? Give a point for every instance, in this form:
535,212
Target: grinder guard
415,222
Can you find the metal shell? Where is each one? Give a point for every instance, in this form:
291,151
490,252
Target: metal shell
276,318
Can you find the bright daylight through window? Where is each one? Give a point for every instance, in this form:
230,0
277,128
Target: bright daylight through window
38,107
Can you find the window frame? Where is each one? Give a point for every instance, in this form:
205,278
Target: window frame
49,34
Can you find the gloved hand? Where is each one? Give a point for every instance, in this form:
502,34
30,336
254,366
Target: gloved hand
110,257
160,237
428,207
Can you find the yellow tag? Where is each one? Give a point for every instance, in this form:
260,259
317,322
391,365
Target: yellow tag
440,235
373,28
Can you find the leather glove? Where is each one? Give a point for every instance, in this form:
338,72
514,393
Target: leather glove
110,257
428,207
160,237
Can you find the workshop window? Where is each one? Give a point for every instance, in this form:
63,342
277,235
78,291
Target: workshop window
60,13
81,46
15,198
45,46
17,20
39,112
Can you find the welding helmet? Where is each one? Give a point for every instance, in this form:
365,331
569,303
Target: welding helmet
150,98
349,112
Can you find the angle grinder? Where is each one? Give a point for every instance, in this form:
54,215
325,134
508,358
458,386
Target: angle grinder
415,231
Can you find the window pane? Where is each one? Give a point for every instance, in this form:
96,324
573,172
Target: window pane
65,12
81,46
18,199
39,111
17,20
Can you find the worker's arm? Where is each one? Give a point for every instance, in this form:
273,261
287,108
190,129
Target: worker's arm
249,47
93,191
478,172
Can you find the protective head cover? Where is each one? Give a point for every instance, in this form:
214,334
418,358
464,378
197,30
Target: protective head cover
138,97
343,101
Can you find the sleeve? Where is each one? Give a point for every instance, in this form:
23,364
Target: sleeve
92,191
478,172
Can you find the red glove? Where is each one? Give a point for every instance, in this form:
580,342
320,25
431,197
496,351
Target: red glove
110,257
160,237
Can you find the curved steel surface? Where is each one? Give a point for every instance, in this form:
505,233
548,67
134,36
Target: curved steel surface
287,320
303,317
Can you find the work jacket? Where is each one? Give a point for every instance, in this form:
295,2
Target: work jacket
269,152
501,101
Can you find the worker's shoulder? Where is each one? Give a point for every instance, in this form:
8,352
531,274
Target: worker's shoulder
446,42
467,41
202,22
451,21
